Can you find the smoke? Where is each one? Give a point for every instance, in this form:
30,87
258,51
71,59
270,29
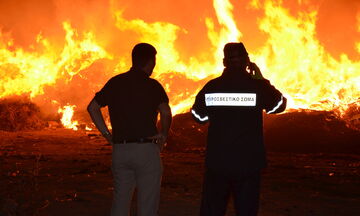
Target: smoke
337,22
337,27
24,20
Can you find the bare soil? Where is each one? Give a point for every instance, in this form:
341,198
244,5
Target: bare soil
64,172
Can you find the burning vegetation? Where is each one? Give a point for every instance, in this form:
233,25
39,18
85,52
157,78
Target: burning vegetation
59,53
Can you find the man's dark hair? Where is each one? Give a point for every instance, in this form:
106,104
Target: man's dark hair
142,53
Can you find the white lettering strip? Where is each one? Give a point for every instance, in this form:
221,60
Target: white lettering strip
206,118
230,99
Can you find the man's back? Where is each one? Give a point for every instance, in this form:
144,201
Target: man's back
133,99
234,103
235,155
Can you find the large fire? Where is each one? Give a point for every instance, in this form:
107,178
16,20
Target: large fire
68,59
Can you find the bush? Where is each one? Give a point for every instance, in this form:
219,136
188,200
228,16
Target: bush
18,115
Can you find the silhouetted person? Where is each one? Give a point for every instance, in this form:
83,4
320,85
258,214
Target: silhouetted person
134,100
233,104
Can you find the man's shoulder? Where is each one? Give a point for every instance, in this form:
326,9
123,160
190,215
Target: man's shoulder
262,83
118,77
223,83
154,82
213,82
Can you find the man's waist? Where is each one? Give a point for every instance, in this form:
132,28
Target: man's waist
139,140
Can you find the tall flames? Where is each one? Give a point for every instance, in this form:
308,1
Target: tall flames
291,56
310,76
28,71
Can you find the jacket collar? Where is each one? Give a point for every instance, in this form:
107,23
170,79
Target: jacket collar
234,72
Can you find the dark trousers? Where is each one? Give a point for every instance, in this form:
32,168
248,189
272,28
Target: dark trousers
219,185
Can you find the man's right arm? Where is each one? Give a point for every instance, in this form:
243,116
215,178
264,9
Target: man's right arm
94,110
198,110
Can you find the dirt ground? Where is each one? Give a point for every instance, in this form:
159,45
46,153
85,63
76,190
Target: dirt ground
63,172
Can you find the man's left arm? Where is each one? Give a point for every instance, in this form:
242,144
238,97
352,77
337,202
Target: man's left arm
275,101
165,121
94,110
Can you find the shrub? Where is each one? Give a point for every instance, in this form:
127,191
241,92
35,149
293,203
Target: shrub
18,115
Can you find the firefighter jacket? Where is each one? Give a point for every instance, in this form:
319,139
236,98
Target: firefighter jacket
233,105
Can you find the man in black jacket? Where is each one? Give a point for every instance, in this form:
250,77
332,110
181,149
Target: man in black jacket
233,104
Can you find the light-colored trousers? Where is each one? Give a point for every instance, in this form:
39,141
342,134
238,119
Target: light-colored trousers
136,165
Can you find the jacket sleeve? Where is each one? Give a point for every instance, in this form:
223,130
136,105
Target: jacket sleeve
275,102
199,110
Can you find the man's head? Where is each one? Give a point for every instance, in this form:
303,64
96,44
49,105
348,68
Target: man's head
235,55
144,57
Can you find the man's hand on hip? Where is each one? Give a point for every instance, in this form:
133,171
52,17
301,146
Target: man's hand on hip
108,137
160,140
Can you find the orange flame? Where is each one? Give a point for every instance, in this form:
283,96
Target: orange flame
291,56
299,65
66,119
28,72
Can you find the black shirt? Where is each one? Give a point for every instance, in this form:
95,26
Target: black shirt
233,104
133,100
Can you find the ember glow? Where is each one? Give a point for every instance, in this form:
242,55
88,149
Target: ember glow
68,50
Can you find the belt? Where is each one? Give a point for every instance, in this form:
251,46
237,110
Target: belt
142,140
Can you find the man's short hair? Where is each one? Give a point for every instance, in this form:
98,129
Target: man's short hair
234,50
142,53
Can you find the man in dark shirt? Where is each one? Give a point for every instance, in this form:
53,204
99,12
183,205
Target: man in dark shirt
134,100
233,104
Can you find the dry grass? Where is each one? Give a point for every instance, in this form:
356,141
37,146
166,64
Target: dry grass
18,115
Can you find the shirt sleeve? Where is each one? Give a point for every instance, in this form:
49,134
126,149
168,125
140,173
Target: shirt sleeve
275,102
199,110
102,96
162,96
